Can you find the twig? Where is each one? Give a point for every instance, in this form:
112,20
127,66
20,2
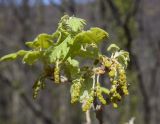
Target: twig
88,118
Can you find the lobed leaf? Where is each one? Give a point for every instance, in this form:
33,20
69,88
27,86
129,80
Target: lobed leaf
113,48
72,24
31,57
94,35
59,52
72,68
13,56
41,41
75,24
122,57
9,57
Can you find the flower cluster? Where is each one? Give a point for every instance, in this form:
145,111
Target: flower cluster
56,75
99,94
75,90
117,76
88,100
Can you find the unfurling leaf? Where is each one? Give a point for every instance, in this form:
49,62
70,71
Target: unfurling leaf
59,52
13,56
9,57
113,48
31,57
94,35
42,41
71,25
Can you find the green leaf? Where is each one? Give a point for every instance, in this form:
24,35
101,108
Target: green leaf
59,52
113,48
84,50
71,25
122,57
94,35
31,57
71,68
13,56
125,54
75,24
87,85
86,43
21,53
42,41
9,57
90,52
73,62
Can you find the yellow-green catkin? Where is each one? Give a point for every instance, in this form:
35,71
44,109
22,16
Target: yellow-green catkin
57,74
99,94
108,63
123,81
115,105
89,101
36,89
112,73
122,76
75,90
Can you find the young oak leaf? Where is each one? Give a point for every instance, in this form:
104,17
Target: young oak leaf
13,56
41,41
122,57
59,52
31,57
75,24
113,48
86,43
9,57
71,24
94,35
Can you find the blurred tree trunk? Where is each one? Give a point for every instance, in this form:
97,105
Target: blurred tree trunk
63,106
66,6
23,15
146,63
70,6
149,41
5,96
